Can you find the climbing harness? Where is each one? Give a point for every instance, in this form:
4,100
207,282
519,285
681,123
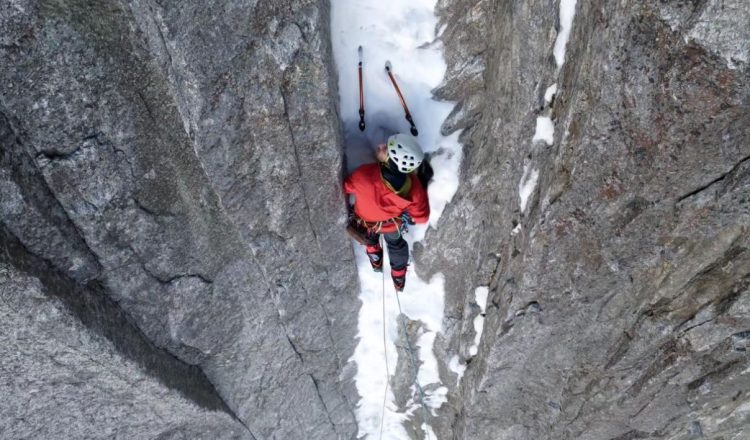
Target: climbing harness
363,227
412,362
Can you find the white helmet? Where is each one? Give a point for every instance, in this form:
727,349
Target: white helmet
404,150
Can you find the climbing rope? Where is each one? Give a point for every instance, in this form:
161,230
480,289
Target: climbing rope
385,353
412,361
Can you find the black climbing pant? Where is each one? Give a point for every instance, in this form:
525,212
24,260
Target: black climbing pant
398,248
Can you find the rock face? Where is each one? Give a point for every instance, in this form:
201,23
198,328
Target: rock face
619,297
172,260
184,162
70,373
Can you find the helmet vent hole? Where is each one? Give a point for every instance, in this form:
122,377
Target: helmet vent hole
399,146
393,151
411,164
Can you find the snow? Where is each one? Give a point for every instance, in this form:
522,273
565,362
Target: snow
545,130
428,372
517,229
369,354
442,29
567,12
550,93
445,181
478,329
404,33
526,185
480,296
457,367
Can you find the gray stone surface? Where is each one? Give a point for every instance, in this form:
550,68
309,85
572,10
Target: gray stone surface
723,26
185,158
61,380
170,218
619,311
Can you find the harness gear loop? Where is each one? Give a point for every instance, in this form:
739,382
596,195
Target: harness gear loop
376,227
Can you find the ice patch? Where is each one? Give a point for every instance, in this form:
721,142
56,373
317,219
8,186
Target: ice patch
526,185
545,130
567,12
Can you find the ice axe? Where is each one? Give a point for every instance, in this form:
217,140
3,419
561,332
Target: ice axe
407,114
361,93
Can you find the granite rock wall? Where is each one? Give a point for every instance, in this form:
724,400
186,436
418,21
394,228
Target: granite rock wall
619,295
173,264
183,160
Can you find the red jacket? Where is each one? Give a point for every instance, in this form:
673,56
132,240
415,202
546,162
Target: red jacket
375,202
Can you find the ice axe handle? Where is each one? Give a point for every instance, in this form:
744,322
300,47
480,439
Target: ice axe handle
407,114
361,92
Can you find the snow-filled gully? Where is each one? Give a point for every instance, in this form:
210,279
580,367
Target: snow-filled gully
405,33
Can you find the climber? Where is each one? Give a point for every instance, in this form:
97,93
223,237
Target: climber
388,196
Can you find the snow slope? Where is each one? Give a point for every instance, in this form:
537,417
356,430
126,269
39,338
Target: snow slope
404,33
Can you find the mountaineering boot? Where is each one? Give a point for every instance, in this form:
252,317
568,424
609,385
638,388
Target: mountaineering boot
375,254
399,278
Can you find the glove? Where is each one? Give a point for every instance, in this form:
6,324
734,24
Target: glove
405,221
406,218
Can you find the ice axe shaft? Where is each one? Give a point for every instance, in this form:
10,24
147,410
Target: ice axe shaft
407,114
361,93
